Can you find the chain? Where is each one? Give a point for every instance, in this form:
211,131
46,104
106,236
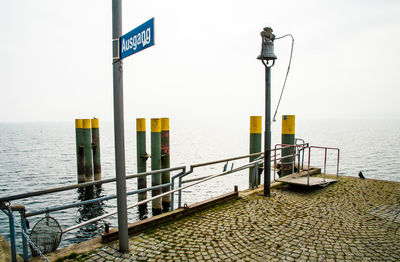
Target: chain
35,248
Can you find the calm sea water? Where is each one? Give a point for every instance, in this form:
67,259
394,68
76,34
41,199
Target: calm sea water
35,156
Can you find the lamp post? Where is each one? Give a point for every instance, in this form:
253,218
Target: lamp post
267,57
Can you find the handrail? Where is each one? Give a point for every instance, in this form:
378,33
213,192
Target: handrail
158,196
297,148
183,173
224,160
81,185
296,152
325,157
255,163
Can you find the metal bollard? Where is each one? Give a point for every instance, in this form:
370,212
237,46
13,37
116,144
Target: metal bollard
156,163
255,147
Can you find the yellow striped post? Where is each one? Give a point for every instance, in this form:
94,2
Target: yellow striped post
141,157
79,150
165,162
288,138
87,149
156,163
96,149
255,147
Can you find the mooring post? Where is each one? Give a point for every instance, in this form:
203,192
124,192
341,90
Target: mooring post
141,156
156,163
288,138
96,149
255,147
87,150
79,150
165,162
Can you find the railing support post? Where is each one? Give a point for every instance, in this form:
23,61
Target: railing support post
172,195
24,239
180,192
12,235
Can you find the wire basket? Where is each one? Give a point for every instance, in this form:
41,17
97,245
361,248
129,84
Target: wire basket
46,235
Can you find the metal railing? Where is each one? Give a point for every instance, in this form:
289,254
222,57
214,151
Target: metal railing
182,173
8,209
325,149
298,156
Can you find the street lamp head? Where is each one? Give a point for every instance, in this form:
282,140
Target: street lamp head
267,45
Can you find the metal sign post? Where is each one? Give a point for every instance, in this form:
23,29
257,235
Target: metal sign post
119,129
136,40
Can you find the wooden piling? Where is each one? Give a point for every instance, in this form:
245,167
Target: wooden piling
79,150
87,150
156,163
255,147
96,149
165,162
141,156
288,138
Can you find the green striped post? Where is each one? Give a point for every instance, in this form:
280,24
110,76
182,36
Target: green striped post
87,150
156,163
141,156
165,162
255,146
288,138
96,149
79,150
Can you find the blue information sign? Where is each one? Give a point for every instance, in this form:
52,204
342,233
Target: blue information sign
137,40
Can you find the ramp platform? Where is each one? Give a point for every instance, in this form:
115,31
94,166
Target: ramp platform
306,181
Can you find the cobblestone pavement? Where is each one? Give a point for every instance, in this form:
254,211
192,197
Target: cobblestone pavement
353,220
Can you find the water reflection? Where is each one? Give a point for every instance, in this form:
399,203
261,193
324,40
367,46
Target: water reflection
143,211
90,211
166,207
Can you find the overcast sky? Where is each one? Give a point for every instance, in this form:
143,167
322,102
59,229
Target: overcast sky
55,59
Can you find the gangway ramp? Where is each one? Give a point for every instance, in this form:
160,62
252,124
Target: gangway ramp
306,180
304,174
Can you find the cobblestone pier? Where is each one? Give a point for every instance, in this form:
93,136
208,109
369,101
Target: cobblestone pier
352,220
